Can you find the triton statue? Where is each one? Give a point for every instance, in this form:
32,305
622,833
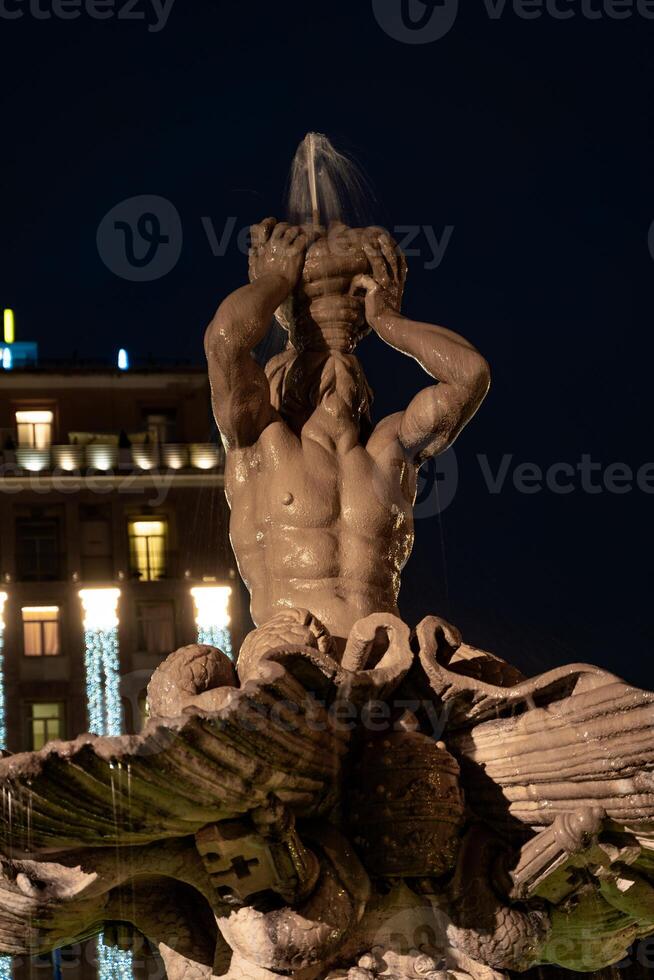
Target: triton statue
321,501
357,798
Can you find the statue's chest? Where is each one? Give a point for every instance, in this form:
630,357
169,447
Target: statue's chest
284,484
322,489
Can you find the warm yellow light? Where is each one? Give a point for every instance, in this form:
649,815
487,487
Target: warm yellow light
67,461
100,608
147,545
40,610
148,527
34,418
3,599
143,457
101,457
212,606
175,457
33,460
10,328
204,456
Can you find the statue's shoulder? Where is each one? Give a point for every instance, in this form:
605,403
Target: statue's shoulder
275,436
384,436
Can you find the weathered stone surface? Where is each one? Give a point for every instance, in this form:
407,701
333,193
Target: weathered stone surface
405,806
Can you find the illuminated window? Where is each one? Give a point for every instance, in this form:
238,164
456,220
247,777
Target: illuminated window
41,631
155,623
34,429
147,547
45,723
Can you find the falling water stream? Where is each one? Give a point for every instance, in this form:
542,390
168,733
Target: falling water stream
326,186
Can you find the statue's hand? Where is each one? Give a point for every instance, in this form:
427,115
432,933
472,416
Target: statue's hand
277,249
385,287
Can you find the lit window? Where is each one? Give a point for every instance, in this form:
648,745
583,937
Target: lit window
45,723
34,429
147,546
155,622
41,631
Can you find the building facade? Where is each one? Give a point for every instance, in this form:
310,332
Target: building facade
111,495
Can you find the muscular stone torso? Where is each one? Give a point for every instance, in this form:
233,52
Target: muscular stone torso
319,525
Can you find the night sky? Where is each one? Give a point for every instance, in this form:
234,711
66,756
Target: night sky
525,142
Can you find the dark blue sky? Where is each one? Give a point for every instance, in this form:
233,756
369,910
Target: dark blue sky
531,139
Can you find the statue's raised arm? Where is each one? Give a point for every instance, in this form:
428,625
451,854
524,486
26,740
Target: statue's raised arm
240,389
436,415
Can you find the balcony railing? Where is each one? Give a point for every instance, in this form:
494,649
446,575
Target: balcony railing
96,457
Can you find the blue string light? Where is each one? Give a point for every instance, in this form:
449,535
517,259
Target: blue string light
102,665
216,636
114,963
